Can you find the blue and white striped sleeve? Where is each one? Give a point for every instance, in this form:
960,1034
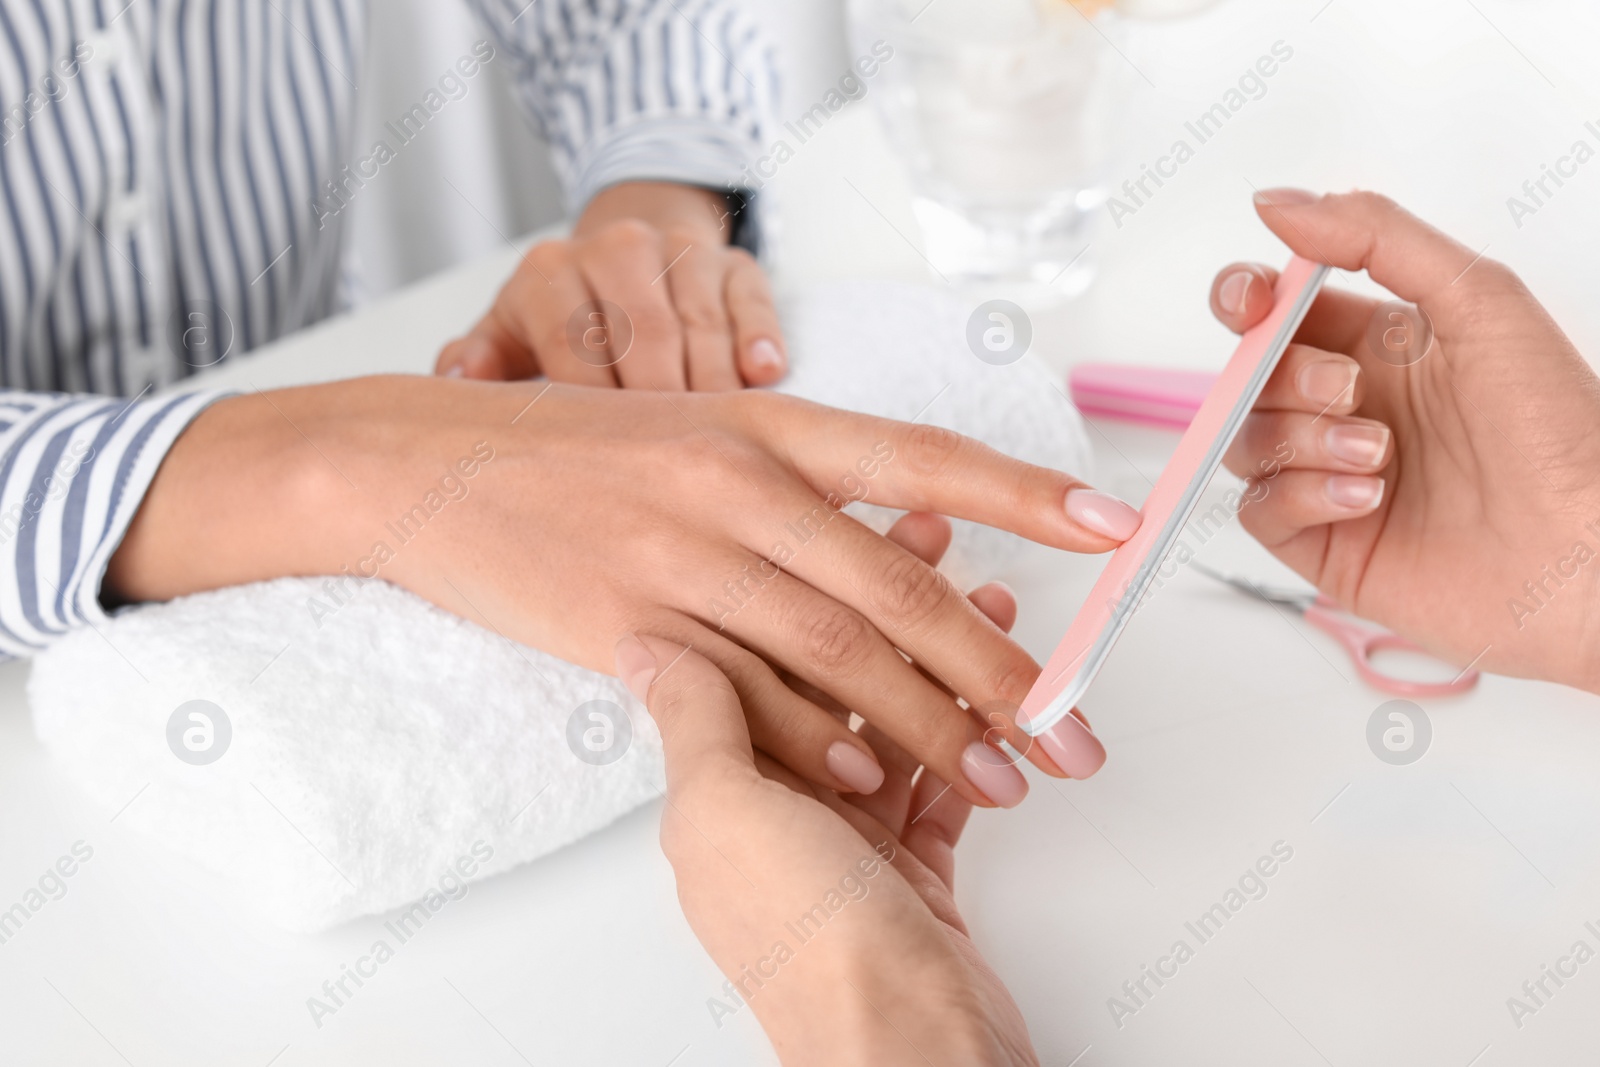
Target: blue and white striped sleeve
633,90
73,472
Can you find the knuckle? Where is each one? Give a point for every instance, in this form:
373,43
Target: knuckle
1370,202
629,236
931,449
912,590
835,640
679,236
547,256
693,691
1011,678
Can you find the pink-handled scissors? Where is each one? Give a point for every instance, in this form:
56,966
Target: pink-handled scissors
1358,640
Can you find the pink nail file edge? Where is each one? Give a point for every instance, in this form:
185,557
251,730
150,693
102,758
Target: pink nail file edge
1116,595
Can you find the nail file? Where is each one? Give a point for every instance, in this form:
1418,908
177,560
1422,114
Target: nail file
1154,396
1132,567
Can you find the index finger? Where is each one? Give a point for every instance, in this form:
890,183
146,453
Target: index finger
627,265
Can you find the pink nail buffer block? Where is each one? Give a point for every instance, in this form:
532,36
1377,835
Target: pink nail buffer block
1132,567
1154,396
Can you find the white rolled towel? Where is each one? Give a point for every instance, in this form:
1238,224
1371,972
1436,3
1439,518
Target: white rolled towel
357,758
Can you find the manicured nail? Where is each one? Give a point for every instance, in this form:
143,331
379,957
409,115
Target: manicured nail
854,767
1234,292
1073,747
1362,446
454,372
1286,197
1355,491
1103,513
994,775
764,355
1327,381
635,666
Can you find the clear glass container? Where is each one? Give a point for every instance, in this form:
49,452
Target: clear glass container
1003,112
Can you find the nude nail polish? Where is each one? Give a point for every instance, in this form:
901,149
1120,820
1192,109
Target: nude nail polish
1327,382
853,767
1103,513
1234,293
1362,446
635,666
1073,747
1356,491
765,355
993,774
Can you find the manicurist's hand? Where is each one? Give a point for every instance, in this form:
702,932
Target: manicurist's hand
1445,490
646,294
564,517
832,917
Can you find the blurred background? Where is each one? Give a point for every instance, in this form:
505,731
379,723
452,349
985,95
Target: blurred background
1449,106
488,148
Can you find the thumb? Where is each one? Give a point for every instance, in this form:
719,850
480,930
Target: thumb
695,707
1366,231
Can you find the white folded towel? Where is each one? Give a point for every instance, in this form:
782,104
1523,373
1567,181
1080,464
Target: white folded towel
361,759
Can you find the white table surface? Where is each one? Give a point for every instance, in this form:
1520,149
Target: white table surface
1418,898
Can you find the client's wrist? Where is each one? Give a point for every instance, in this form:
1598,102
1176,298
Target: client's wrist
873,1009
688,209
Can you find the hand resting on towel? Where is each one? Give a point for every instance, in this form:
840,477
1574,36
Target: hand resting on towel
564,517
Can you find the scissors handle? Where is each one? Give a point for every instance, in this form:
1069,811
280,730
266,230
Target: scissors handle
1362,642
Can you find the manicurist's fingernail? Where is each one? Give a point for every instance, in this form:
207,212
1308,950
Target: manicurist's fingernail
1362,446
635,666
764,356
454,372
1327,381
1357,491
994,775
1073,747
1103,513
854,767
1286,197
1234,292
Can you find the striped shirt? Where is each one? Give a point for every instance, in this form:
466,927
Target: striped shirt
173,179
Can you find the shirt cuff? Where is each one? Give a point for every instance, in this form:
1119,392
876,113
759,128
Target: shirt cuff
74,473
690,151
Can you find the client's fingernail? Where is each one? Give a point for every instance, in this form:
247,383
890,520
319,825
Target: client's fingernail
1327,382
1356,491
635,666
765,356
1102,513
994,775
1362,446
1234,292
1286,197
454,372
1073,747
854,767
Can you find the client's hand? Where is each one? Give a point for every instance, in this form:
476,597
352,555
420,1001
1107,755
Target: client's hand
695,313
832,917
564,517
1452,491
